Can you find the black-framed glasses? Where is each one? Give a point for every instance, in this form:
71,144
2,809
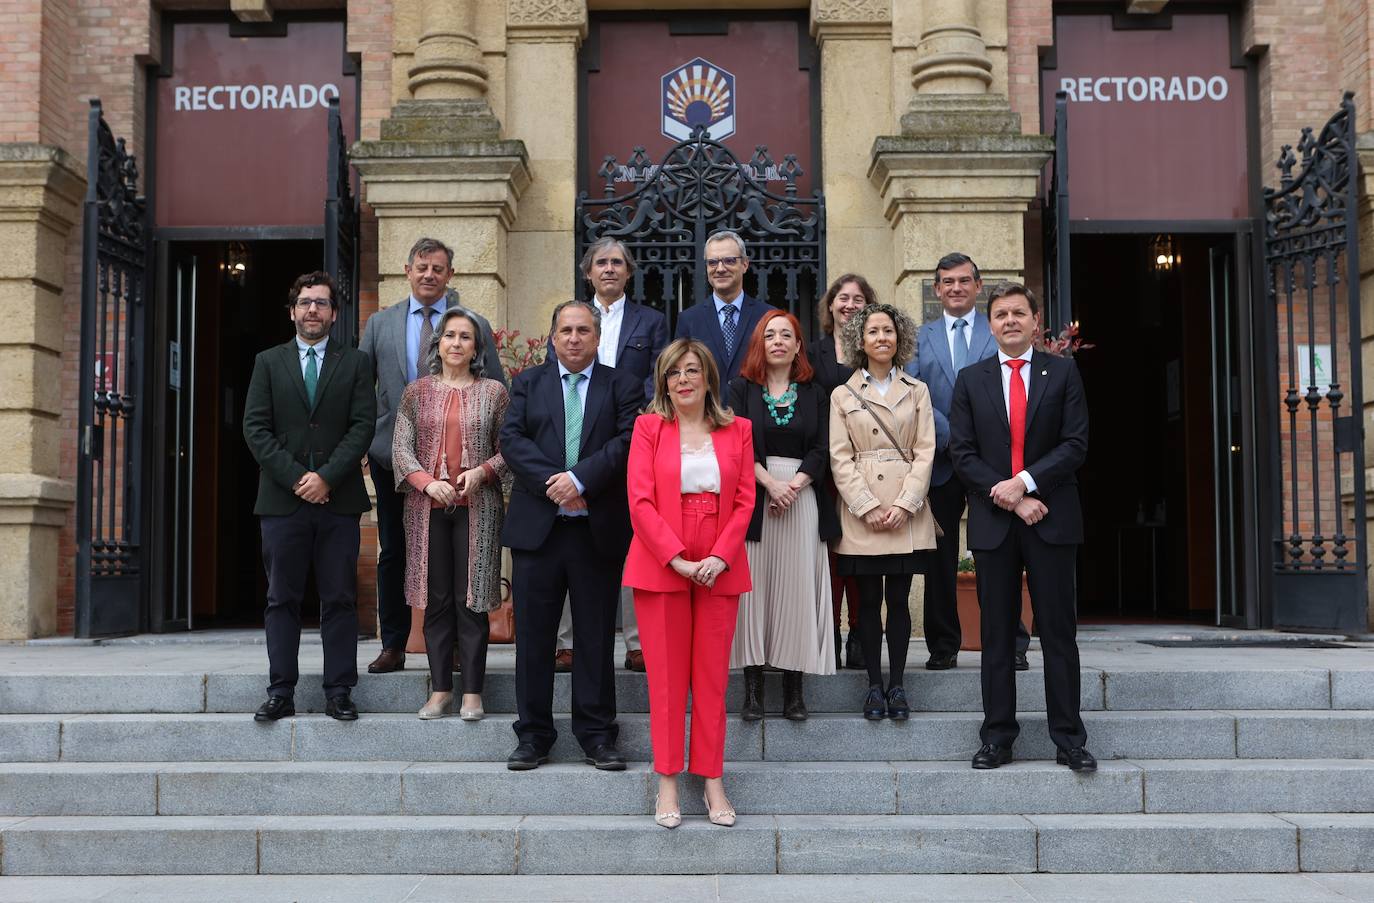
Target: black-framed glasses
713,263
307,303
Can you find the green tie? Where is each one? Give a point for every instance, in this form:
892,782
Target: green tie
572,419
312,375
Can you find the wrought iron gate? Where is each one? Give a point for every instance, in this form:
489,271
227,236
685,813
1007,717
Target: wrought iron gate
1311,246
700,187
341,231
1055,223
114,263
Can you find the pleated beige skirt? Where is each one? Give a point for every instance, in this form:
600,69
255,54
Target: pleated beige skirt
786,621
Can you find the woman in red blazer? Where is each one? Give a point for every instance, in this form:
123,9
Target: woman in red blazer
691,487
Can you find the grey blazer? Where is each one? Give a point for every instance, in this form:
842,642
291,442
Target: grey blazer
384,342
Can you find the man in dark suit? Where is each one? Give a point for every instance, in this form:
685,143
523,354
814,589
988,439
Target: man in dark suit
726,320
632,337
308,418
566,439
395,339
1018,435
944,347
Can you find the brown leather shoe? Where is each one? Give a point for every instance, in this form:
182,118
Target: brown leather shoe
634,660
390,660
562,660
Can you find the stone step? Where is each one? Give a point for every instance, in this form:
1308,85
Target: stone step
928,736
617,844
766,788
1124,689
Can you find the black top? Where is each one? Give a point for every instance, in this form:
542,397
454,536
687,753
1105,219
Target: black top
831,373
806,436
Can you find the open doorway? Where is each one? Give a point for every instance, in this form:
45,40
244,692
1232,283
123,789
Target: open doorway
1161,486
226,303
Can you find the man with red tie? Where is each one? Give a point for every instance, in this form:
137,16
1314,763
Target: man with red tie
1018,435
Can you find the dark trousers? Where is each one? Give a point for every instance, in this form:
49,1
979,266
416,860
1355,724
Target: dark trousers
393,615
839,588
447,616
1050,575
941,601
313,536
873,591
567,565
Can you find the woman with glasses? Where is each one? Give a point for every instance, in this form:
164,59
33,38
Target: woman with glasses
691,489
785,620
447,459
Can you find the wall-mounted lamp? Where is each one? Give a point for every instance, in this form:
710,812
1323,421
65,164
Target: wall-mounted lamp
235,263
1164,254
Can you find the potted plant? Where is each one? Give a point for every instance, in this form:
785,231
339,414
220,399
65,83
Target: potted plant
970,614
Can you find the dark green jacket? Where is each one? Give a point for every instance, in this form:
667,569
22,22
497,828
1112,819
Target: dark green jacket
288,438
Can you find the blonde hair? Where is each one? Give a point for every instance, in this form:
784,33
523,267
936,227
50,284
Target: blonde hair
717,413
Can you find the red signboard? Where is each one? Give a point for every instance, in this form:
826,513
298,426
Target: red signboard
652,87
1156,119
241,125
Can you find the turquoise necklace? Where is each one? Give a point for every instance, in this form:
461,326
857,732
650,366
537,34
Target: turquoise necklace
785,400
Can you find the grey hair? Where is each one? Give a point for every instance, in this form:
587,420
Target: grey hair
723,234
427,246
479,342
588,306
605,244
852,336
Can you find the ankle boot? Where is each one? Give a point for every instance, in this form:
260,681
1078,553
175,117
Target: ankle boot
839,650
854,653
793,707
752,710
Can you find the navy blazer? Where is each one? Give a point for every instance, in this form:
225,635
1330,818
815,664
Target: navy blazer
701,322
643,336
532,442
934,367
1056,446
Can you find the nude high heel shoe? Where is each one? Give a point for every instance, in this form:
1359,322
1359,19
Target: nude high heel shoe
670,819
723,817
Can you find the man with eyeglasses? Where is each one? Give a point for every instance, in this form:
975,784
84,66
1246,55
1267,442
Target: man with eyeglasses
726,320
308,417
632,336
396,339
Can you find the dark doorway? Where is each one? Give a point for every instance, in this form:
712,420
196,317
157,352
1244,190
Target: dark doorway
226,302
1161,487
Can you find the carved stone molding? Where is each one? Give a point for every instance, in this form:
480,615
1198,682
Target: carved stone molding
546,12
850,11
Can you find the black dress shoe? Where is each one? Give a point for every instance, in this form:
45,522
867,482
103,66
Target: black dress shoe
897,709
1078,759
389,660
341,708
875,704
990,755
275,708
605,758
1021,663
526,758
854,653
942,662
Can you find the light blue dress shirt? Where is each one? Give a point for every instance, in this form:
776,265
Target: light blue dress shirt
413,334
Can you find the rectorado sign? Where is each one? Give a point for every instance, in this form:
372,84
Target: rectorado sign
252,97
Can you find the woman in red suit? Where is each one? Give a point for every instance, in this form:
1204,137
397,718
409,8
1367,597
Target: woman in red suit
691,487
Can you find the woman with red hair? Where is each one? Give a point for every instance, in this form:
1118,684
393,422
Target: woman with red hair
786,620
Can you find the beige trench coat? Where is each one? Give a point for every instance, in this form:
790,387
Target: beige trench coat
869,472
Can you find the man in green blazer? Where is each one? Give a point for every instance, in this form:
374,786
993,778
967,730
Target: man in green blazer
308,419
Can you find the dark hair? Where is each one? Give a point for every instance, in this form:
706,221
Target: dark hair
1004,289
479,342
755,367
588,306
426,247
603,244
955,259
823,314
319,277
852,336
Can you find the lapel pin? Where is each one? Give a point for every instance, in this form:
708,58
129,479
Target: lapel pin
1044,373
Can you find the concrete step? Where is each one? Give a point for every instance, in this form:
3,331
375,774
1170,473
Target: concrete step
770,788
928,736
613,844
242,689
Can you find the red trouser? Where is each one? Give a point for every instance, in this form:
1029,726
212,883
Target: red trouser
686,639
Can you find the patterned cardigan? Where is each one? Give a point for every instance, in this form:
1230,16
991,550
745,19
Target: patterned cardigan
416,446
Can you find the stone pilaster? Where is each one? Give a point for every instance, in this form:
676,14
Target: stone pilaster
448,62
41,188
1364,149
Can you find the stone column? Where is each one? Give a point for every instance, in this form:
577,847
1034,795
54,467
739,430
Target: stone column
441,167
1364,149
41,188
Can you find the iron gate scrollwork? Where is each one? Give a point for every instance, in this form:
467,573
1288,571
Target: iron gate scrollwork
699,188
341,230
114,264
1311,247
1055,225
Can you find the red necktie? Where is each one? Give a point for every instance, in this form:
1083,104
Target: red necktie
1016,401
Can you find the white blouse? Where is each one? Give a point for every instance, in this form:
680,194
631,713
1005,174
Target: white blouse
700,469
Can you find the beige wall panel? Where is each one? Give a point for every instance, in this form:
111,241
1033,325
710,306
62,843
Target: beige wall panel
36,546
541,111
540,278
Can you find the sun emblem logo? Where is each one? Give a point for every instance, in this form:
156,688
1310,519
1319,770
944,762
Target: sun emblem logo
698,93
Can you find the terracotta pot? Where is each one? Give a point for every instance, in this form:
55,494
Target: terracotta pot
969,612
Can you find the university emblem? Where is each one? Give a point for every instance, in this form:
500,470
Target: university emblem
698,93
